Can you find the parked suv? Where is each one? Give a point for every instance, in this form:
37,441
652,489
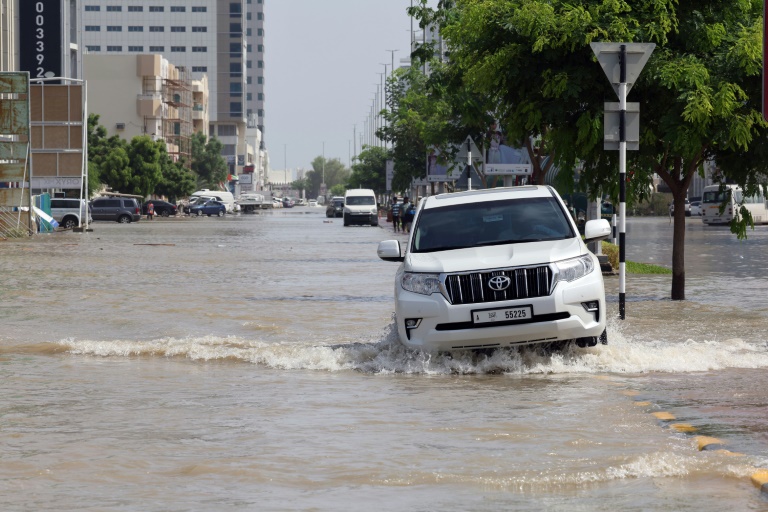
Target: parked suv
120,209
497,268
69,213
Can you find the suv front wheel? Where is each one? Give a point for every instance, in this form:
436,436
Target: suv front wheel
124,219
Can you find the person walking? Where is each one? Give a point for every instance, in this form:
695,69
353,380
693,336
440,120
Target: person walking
396,208
150,211
405,210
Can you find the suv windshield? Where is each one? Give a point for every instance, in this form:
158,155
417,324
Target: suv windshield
490,223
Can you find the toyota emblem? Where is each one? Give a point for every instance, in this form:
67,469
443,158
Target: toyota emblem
499,283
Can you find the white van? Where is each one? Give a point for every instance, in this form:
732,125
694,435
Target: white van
360,207
225,197
69,213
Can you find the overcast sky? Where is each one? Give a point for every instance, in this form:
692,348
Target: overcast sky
322,64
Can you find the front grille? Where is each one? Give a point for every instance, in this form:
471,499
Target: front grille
472,288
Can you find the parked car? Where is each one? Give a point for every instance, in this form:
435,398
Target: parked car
69,213
696,208
312,203
497,268
210,207
288,202
687,208
162,208
120,209
335,207
277,202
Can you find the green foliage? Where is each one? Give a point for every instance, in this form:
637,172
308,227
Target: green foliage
370,170
334,171
301,184
177,181
338,190
207,162
612,251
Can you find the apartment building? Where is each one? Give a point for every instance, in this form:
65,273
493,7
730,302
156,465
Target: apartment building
206,37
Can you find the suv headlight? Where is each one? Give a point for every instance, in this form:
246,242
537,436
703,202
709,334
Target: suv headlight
424,284
575,268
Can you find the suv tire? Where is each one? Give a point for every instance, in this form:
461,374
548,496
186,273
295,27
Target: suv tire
124,219
346,220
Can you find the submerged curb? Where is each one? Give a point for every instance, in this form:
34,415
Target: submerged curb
760,480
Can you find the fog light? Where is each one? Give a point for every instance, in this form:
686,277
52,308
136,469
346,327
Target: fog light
593,306
412,323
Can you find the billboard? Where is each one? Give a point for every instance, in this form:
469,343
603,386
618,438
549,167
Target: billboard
40,37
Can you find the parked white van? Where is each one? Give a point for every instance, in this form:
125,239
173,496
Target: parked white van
360,207
225,197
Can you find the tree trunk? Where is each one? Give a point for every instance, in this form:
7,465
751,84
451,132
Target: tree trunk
678,246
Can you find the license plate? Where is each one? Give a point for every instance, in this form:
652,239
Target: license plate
502,315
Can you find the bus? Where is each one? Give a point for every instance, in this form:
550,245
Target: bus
713,197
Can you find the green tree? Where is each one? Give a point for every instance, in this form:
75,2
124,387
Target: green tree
99,147
177,181
134,168
207,162
370,170
334,171
338,190
699,93
301,184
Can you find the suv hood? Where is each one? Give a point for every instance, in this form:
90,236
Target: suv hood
496,256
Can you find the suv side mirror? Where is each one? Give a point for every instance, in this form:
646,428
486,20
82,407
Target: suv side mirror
389,250
596,230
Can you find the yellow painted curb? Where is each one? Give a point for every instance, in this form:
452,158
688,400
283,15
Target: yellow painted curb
642,404
729,453
705,441
683,427
630,392
760,480
663,416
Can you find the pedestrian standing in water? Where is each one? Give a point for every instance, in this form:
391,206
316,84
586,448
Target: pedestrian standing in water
396,208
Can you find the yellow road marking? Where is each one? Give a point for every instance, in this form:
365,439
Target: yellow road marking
663,416
705,441
683,427
760,480
642,404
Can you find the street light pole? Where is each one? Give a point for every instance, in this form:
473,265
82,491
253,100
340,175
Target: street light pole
285,169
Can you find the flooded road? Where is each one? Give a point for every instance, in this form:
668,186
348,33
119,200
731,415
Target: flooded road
250,363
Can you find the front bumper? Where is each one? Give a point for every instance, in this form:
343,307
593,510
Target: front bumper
446,327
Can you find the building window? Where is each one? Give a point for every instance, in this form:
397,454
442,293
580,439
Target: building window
135,8
236,109
159,49
156,8
135,48
249,48
199,49
93,48
260,32
259,15
199,9
235,29
114,8
135,28
178,29
261,64
235,49
248,80
260,48
199,69
235,10
92,8
178,8
261,112
227,130
235,69
178,48
260,80
248,16
114,48
156,29
249,96
261,96
235,89
114,28
249,64
248,32
199,29
92,28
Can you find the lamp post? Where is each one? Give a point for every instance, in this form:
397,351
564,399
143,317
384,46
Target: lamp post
322,185
285,168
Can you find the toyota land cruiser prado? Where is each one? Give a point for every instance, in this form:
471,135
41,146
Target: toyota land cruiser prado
497,268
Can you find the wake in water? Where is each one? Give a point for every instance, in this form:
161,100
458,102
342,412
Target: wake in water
385,354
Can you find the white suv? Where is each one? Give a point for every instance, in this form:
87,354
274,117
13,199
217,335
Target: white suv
497,268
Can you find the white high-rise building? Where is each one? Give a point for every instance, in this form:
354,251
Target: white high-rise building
206,37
